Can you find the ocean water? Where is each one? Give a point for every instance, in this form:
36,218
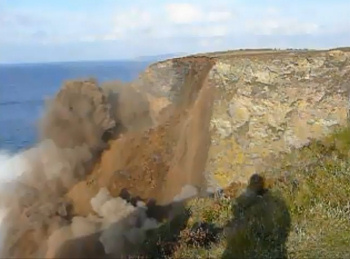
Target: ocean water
24,87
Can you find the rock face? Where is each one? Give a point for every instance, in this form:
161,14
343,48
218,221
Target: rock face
268,105
264,105
185,125
219,118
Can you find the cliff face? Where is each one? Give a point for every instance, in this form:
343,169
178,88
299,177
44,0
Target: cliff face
204,121
219,118
269,104
264,105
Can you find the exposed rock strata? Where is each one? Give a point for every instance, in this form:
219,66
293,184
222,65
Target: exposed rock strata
220,118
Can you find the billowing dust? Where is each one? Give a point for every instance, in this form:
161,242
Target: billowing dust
97,143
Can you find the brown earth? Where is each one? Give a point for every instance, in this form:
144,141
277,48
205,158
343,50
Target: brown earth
158,162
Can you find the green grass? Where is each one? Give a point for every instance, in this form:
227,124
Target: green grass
313,183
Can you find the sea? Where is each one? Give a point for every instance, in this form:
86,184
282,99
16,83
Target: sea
24,88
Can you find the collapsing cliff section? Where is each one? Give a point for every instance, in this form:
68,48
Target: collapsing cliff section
219,119
158,162
264,104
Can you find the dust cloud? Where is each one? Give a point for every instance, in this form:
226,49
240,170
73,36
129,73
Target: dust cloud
60,199
79,115
73,133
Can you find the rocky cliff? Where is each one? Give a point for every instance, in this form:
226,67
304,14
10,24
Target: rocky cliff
268,104
217,118
184,126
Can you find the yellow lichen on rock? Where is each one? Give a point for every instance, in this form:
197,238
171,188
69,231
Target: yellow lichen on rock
229,159
267,105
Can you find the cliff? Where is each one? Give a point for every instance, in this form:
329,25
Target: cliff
215,119
187,126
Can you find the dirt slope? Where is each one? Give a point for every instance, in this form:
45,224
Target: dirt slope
157,162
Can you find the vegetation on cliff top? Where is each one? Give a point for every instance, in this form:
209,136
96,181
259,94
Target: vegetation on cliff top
313,185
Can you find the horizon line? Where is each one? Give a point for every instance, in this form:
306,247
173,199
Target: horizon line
165,56
138,59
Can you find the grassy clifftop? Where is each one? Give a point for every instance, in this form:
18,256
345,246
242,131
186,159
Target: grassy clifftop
314,185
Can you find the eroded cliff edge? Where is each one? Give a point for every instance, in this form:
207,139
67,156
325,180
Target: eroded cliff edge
213,119
186,125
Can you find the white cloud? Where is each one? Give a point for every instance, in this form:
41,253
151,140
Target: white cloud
281,26
174,20
183,26
129,23
184,13
133,19
211,31
272,11
219,16
274,21
211,43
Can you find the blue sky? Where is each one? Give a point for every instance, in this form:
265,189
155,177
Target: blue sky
62,30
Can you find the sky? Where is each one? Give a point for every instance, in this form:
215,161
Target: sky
69,30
